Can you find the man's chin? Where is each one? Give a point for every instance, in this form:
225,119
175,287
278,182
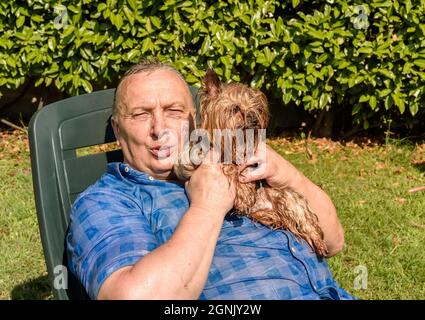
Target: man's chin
162,167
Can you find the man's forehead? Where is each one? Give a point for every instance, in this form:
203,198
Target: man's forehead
161,86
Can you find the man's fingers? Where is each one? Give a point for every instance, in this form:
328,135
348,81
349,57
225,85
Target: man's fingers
251,173
254,161
260,156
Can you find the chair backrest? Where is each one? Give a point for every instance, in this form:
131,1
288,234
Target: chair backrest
59,175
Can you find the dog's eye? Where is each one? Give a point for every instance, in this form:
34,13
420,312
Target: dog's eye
235,109
252,120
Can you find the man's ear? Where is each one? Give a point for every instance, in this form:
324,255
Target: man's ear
116,128
211,85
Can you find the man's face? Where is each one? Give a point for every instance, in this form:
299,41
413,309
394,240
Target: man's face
155,107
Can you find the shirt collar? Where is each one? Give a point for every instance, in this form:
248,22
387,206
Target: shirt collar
125,171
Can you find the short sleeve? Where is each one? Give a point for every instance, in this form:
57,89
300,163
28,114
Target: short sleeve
107,231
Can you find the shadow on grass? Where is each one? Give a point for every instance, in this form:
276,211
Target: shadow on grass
420,166
34,289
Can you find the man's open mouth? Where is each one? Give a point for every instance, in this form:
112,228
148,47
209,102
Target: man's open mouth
162,152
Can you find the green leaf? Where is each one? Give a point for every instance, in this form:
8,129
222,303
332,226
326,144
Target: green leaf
399,102
101,7
11,61
364,98
68,77
307,53
388,73
132,54
51,43
357,107
147,45
316,34
38,19
279,27
74,9
20,21
86,85
117,21
388,102
407,67
148,25
38,82
295,3
294,48
384,93
365,50
129,15
372,102
156,21
408,5
420,63
324,100
322,58
133,4
68,31
287,97
414,108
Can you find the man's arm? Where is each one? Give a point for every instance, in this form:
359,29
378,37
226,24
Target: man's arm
179,268
279,172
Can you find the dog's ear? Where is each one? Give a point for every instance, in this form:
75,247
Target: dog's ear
211,85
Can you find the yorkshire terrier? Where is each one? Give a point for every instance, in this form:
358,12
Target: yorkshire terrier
236,106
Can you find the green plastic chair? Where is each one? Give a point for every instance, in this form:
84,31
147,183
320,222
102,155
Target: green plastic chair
59,176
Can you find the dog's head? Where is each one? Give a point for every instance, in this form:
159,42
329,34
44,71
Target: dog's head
231,106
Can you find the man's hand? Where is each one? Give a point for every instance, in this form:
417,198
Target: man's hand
210,190
267,164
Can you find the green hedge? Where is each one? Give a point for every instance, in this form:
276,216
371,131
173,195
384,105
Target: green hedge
316,54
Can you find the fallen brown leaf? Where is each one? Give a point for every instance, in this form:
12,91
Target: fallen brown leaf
417,225
362,172
380,165
396,240
401,200
399,170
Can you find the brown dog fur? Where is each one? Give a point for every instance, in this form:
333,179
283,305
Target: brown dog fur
237,106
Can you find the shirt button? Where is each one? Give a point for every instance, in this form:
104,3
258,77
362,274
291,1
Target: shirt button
126,169
293,249
151,178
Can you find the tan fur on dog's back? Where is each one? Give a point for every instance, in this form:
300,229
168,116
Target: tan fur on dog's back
237,106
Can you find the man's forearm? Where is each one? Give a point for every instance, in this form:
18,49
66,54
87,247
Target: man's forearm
179,268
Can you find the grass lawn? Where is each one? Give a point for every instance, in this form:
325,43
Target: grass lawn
384,223
23,273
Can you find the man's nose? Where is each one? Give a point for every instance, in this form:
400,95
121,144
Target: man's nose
158,126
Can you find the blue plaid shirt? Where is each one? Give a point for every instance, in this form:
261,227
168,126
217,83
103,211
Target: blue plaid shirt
127,214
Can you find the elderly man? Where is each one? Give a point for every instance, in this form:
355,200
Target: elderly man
135,234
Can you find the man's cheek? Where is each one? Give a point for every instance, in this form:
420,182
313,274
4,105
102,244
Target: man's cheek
183,133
